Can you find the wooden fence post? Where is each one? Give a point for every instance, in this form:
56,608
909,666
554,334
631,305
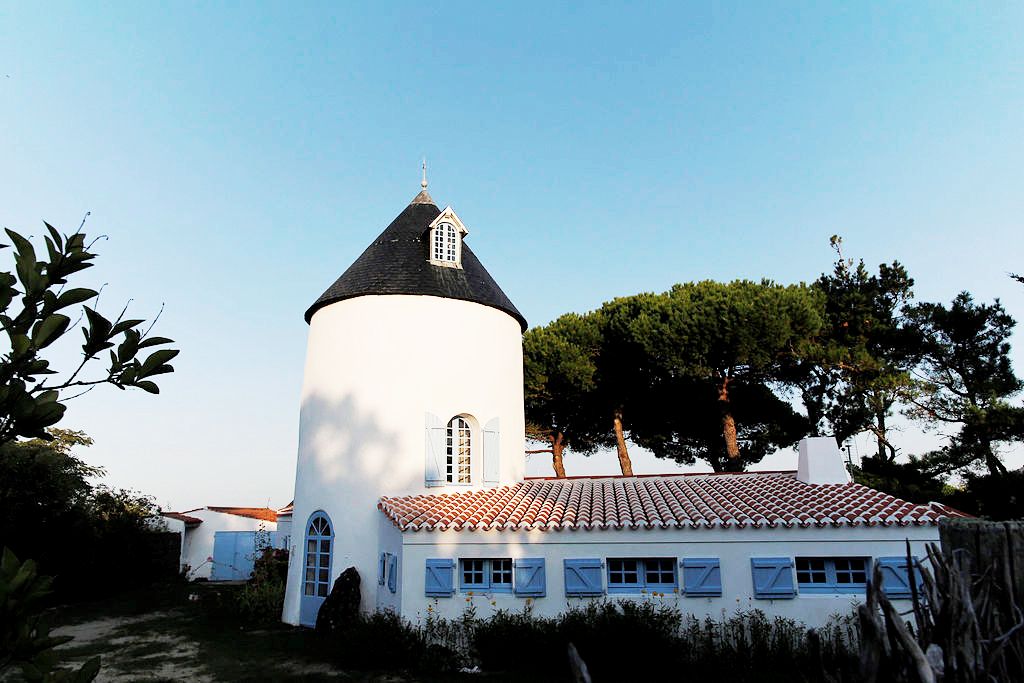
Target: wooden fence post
980,547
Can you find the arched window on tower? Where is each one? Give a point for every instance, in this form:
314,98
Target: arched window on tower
445,243
457,441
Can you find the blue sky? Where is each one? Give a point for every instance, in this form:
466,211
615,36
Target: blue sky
239,156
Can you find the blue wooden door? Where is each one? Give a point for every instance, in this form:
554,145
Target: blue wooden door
317,568
234,554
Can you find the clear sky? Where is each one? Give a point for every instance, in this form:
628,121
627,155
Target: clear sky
240,155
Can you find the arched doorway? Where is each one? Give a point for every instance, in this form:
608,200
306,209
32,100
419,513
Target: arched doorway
316,575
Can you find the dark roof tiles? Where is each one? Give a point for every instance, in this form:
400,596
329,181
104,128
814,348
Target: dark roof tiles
397,262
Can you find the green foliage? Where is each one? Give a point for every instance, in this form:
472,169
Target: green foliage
618,641
34,299
262,598
710,351
996,497
25,640
50,510
968,379
860,365
559,382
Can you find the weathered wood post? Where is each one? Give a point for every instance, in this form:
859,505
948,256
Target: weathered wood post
983,547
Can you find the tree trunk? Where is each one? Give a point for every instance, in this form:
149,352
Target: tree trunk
557,446
992,461
880,436
620,446
732,448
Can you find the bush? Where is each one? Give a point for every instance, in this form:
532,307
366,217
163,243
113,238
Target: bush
262,598
617,640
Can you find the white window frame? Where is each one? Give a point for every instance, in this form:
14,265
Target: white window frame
445,240
459,451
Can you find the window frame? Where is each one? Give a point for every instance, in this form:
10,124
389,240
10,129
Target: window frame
453,440
831,585
488,585
445,244
643,583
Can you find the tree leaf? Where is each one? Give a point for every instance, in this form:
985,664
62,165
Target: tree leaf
50,330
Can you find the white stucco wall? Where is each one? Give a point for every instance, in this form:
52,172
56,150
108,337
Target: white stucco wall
197,548
734,548
375,365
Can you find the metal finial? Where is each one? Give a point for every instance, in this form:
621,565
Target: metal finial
423,183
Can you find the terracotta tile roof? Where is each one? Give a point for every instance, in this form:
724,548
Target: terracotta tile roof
287,509
182,517
754,499
266,514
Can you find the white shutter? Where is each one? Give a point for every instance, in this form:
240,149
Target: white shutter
434,451
492,460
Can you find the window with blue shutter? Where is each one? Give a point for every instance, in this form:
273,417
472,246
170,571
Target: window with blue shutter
702,577
382,564
896,577
492,466
392,573
583,577
530,578
832,574
633,575
773,577
486,575
440,578
435,453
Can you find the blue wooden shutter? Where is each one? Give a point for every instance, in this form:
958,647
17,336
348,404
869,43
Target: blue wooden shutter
896,577
530,579
440,578
434,451
773,577
702,577
492,467
583,577
381,567
392,573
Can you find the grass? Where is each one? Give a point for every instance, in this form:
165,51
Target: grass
160,634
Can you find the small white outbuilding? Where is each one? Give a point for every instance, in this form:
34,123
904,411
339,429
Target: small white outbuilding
411,463
216,539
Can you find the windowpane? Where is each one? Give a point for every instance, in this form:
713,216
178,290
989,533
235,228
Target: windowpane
458,465
322,590
325,546
623,572
811,570
473,573
660,570
310,588
501,572
310,546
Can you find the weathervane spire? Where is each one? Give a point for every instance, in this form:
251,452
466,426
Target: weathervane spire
423,183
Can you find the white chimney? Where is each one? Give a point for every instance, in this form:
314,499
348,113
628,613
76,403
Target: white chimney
821,462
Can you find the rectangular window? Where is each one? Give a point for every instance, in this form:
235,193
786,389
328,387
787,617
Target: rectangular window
486,575
832,574
632,575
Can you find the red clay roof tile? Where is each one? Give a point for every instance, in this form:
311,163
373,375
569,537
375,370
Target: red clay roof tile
752,499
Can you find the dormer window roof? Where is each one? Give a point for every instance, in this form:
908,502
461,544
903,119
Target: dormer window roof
445,239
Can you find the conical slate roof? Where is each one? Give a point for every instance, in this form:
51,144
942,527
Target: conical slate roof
397,262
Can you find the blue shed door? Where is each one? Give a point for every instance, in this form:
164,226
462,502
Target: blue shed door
234,553
317,569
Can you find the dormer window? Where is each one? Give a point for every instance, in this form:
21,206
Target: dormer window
445,240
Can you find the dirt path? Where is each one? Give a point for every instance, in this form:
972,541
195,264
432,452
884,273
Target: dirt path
159,647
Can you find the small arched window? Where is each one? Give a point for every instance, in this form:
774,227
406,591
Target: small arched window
458,446
445,243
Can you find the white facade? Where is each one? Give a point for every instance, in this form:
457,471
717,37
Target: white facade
377,368
733,547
